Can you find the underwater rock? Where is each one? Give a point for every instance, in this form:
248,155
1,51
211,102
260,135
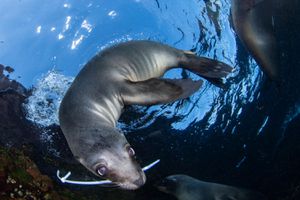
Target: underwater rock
7,84
1,69
9,69
20,178
13,128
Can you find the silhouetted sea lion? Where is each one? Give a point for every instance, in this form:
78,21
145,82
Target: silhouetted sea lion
253,23
124,74
184,187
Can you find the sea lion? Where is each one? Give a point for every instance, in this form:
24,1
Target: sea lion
125,74
253,23
184,187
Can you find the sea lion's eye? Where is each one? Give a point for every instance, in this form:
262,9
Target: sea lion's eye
131,151
102,170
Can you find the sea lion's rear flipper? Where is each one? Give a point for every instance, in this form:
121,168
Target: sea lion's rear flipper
158,91
210,69
204,67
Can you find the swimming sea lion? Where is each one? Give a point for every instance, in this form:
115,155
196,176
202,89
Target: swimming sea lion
253,23
184,187
122,75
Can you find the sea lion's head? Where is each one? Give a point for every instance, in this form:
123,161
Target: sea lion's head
106,152
179,185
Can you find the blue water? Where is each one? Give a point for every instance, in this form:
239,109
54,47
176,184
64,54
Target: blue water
48,42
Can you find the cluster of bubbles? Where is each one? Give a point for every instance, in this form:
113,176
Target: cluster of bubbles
42,106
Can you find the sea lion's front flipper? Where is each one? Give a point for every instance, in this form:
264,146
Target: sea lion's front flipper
158,91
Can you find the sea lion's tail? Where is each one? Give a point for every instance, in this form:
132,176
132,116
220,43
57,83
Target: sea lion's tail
210,69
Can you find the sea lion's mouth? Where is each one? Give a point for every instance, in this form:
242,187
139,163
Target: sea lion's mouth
161,188
127,186
110,185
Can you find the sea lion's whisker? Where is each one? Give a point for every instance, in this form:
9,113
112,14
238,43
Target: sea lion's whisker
65,180
104,183
150,165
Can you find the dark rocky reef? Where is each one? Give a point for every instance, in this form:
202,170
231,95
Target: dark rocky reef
20,178
7,84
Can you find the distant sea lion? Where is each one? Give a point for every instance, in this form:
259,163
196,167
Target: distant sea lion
184,187
121,75
253,23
